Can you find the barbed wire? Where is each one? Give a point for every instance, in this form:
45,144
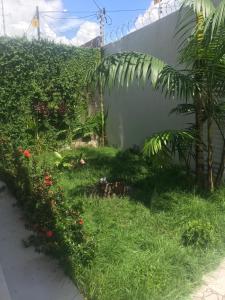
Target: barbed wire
155,13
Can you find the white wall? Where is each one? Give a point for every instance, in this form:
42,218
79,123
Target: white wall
137,113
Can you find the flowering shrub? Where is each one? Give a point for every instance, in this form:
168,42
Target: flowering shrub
58,227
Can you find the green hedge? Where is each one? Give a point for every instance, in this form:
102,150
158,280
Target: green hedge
43,97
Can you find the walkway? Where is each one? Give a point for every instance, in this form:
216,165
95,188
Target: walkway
213,287
25,274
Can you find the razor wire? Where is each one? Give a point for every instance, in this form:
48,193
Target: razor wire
155,13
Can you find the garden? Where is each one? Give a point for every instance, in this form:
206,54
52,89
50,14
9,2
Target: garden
123,224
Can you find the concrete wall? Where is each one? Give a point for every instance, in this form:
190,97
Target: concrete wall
137,113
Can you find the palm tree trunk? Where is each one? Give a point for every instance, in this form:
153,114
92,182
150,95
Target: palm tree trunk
199,144
210,156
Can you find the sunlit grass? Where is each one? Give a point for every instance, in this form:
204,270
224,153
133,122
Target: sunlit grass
139,254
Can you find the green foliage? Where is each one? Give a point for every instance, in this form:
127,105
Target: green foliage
167,144
57,224
138,251
91,126
122,69
199,79
133,243
129,166
43,90
198,234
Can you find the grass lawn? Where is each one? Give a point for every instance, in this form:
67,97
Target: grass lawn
139,253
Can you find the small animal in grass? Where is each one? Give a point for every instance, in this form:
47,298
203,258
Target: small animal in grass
110,189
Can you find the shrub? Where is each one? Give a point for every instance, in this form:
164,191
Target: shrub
43,94
198,234
58,226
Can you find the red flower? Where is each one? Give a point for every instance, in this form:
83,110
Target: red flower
49,183
27,153
48,180
49,233
81,222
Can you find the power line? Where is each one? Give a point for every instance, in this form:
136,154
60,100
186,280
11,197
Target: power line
68,12
93,11
96,4
70,18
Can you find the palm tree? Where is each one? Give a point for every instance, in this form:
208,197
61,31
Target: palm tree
200,81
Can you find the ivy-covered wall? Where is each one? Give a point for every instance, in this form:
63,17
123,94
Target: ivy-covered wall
43,97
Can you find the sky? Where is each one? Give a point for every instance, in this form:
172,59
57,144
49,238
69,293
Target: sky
76,22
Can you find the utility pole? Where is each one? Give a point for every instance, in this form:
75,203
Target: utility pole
3,18
102,17
38,23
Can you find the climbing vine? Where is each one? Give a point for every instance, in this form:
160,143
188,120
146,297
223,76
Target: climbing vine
43,94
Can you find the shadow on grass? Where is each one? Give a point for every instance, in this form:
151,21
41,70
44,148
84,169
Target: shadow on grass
158,185
135,171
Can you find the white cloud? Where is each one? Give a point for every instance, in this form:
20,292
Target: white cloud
156,11
19,13
87,31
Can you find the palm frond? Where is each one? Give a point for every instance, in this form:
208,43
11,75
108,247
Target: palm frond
178,84
204,7
123,69
191,17
168,141
216,20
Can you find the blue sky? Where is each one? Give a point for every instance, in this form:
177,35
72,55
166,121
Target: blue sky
66,27
118,19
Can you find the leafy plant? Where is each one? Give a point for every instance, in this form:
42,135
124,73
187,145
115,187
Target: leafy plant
68,161
198,234
43,90
169,144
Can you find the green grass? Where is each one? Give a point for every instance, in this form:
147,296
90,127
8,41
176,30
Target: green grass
139,254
